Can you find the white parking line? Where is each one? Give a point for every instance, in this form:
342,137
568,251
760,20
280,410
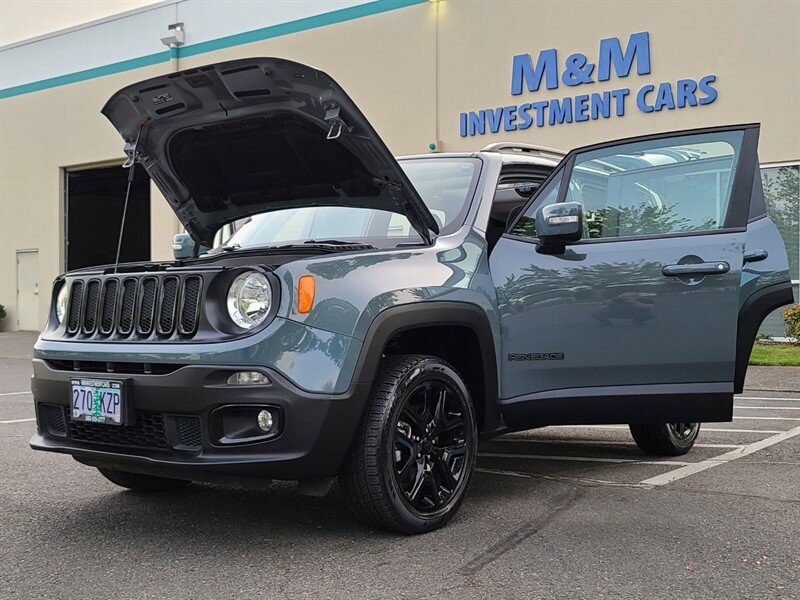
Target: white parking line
727,430
590,426
766,398
16,421
562,478
585,459
767,407
14,393
735,418
599,442
702,429
694,468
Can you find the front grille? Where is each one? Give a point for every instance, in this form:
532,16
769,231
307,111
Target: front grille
128,368
190,308
153,306
75,300
150,430
92,301
109,307
189,432
147,305
56,421
128,306
147,432
169,299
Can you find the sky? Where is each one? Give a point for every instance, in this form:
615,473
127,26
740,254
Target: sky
23,19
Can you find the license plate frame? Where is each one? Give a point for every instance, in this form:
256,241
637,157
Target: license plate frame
108,397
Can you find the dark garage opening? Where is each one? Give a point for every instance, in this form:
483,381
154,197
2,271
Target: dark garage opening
95,198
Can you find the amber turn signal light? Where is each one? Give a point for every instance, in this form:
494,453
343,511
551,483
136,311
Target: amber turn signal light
305,293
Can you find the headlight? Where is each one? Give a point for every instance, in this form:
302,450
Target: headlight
249,299
61,303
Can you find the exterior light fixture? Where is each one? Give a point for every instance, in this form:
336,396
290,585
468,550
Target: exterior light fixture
175,36
248,378
265,421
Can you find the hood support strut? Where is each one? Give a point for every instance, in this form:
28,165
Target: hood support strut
410,210
130,164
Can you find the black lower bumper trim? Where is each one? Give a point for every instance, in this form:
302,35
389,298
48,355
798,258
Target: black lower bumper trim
316,431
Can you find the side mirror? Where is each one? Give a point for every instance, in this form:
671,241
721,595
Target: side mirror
557,225
183,246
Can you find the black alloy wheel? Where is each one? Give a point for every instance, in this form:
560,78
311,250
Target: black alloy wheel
430,446
413,455
683,431
665,439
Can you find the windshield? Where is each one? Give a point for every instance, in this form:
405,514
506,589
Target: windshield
445,184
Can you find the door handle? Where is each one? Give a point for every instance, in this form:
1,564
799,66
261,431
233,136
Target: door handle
715,268
755,255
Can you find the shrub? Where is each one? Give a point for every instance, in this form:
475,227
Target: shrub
2,312
791,316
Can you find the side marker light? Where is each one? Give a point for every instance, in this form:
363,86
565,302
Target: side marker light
305,293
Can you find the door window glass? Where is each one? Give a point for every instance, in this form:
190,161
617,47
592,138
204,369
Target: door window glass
526,224
668,185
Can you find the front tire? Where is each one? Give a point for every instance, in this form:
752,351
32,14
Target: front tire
139,482
412,458
665,439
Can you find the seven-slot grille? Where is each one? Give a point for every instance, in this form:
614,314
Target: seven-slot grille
150,305
109,307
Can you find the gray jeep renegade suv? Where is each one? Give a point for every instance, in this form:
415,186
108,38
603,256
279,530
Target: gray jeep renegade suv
372,317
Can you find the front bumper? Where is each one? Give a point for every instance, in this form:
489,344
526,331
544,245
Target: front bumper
170,435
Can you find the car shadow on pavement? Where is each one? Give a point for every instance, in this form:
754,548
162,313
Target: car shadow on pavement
214,511
205,513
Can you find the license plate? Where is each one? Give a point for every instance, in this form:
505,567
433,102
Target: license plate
97,401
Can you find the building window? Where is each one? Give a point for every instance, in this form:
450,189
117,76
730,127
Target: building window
782,196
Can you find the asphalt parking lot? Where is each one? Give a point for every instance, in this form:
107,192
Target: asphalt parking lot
561,512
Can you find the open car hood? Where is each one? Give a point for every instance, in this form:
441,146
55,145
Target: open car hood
232,139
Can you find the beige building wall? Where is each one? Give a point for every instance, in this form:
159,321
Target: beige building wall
752,48
41,134
412,71
24,19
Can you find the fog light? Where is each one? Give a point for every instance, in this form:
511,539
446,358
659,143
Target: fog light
245,424
247,378
265,420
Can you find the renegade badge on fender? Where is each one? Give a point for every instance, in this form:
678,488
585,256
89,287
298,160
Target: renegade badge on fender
369,317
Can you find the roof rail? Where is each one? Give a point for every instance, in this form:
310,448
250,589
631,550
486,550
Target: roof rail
524,149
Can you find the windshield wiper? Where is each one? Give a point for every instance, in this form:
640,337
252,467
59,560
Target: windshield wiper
336,243
326,245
